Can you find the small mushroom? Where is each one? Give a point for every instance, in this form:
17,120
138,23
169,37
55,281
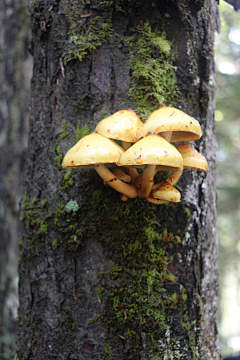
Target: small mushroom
151,153
96,151
172,124
167,192
191,160
122,125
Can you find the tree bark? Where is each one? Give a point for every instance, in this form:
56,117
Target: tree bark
15,74
101,278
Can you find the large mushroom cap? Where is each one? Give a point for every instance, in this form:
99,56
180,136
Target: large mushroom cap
191,158
183,126
152,150
122,125
92,149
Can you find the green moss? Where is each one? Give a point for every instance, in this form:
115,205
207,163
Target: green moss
63,135
184,294
99,294
57,147
79,233
25,199
59,213
188,212
64,125
108,349
96,197
16,357
43,227
73,239
85,37
153,74
44,203
58,160
30,213
134,296
55,244
67,181
82,131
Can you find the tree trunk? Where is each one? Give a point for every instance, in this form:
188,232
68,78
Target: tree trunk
101,278
15,73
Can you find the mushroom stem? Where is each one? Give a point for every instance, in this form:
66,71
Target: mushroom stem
131,171
167,135
147,181
126,145
172,179
121,175
109,178
138,181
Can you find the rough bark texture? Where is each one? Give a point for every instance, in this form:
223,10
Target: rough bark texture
100,278
15,74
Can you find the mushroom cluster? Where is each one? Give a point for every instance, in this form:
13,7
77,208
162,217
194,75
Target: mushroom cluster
152,151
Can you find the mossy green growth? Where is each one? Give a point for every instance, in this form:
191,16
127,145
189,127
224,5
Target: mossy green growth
43,227
86,34
29,212
67,181
35,215
82,131
133,290
58,160
108,349
153,73
64,134
55,244
188,212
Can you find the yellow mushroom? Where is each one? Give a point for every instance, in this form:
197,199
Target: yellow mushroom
191,160
172,124
122,125
151,153
167,192
96,151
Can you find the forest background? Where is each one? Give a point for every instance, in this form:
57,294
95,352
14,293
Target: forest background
227,116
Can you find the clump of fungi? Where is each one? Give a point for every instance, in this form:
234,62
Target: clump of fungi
152,151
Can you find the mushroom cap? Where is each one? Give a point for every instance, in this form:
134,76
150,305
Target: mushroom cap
92,149
183,126
191,158
152,150
122,125
167,192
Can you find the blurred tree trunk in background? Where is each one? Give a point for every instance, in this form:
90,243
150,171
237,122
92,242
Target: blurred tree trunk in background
101,278
15,73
